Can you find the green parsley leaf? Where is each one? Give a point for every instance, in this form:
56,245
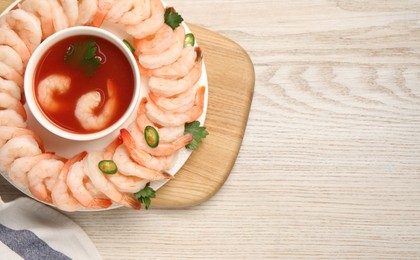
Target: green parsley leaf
90,50
91,65
82,56
172,18
146,202
144,196
199,132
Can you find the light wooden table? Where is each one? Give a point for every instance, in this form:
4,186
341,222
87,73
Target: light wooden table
330,163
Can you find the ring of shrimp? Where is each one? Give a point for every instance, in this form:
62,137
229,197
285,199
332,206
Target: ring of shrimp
77,182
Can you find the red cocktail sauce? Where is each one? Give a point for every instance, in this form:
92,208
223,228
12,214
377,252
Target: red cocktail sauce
114,66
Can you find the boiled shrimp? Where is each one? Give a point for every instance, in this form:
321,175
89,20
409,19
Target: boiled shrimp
180,67
166,134
90,166
178,103
61,194
103,8
10,38
143,158
11,58
9,132
92,189
166,118
10,87
51,86
89,102
17,147
20,167
139,12
165,57
42,178
130,184
8,73
157,42
42,9
87,11
110,149
26,25
163,149
71,10
149,26
78,183
59,18
128,167
167,88
118,9
9,102
10,117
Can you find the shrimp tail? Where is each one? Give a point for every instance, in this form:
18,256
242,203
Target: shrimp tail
199,53
67,164
100,203
199,104
183,141
41,193
98,19
142,107
110,149
71,161
138,155
130,202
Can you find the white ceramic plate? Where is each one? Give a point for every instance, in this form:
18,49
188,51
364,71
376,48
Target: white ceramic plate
68,148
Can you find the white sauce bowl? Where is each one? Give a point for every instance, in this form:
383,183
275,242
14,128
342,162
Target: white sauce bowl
38,54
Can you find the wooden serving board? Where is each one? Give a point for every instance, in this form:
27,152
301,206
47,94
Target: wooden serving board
231,81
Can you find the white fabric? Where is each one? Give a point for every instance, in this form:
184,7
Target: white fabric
26,216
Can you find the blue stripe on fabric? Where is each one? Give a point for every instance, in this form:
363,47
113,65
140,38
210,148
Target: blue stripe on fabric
26,244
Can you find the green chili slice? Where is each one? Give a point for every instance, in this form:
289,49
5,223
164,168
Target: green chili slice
189,40
108,166
151,136
129,46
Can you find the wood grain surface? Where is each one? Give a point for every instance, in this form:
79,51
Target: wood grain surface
329,167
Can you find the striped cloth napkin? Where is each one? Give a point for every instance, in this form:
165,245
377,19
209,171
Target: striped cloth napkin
31,230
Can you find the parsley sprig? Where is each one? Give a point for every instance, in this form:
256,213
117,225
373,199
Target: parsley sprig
172,18
82,56
199,132
144,195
